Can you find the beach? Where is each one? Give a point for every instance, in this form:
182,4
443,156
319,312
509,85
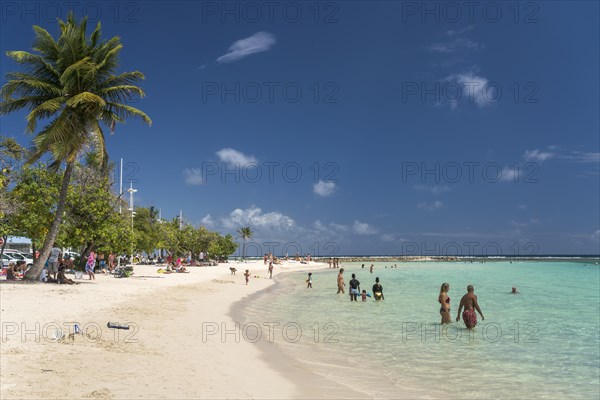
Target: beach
162,355
207,334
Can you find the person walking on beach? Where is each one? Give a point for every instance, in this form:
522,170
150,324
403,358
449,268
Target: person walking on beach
469,302
340,282
90,264
354,288
378,290
270,270
444,301
309,281
247,276
55,254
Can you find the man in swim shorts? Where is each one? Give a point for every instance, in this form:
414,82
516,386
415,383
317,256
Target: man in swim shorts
354,288
469,302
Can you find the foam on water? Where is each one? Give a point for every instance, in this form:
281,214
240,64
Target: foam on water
541,343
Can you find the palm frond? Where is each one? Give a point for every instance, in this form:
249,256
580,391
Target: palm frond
124,111
44,110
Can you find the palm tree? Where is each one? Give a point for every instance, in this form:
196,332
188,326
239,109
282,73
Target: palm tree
71,83
245,233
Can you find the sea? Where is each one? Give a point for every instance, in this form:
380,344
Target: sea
541,343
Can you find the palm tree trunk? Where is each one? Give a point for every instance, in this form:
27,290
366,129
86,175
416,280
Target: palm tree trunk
38,265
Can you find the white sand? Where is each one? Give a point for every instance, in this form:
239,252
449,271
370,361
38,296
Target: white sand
164,357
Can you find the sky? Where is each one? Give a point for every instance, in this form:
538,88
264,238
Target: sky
355,127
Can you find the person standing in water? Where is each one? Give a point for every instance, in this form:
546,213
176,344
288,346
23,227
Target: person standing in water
354,288
378,290
444,301
340,282
371,268
469,302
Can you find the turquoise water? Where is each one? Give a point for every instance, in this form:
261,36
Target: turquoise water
541,343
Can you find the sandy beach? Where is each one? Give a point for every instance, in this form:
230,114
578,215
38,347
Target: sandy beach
170,351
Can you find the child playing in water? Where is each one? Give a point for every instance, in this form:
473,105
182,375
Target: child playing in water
247,275
363,295
309,281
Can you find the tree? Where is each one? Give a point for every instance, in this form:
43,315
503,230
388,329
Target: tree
146,229
89,218
11,154
71,82
245,234
36,193
222,246
170,237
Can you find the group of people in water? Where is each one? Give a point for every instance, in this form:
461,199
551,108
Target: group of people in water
468,305
355,291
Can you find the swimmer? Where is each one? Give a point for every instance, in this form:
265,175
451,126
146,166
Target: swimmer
444,301
378,290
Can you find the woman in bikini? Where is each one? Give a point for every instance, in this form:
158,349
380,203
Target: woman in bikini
444,301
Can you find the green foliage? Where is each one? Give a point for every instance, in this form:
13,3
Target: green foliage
36,191
245,234
11,154
222,246
147,230
90,213
71,85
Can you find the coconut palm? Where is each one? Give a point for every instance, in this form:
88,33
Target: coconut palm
245,234
71,85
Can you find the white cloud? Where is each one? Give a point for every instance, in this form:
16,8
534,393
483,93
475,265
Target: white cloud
437,189
455,45
193,176
583,157
235,157
458,32
323,188
331,227
509,174
522,206
207,221
537,155
596,235
518,224
436,205
362,228
255,218
388,237
259,42
473,88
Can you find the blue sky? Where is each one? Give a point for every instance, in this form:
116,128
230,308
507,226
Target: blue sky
361,99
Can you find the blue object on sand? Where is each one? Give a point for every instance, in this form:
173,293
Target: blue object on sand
116,325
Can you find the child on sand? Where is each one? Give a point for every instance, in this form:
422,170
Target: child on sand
247,276
270,270
309,281
363,295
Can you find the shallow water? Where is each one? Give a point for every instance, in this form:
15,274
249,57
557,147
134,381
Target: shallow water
541,343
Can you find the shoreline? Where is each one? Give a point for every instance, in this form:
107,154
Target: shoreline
169,315
310,384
